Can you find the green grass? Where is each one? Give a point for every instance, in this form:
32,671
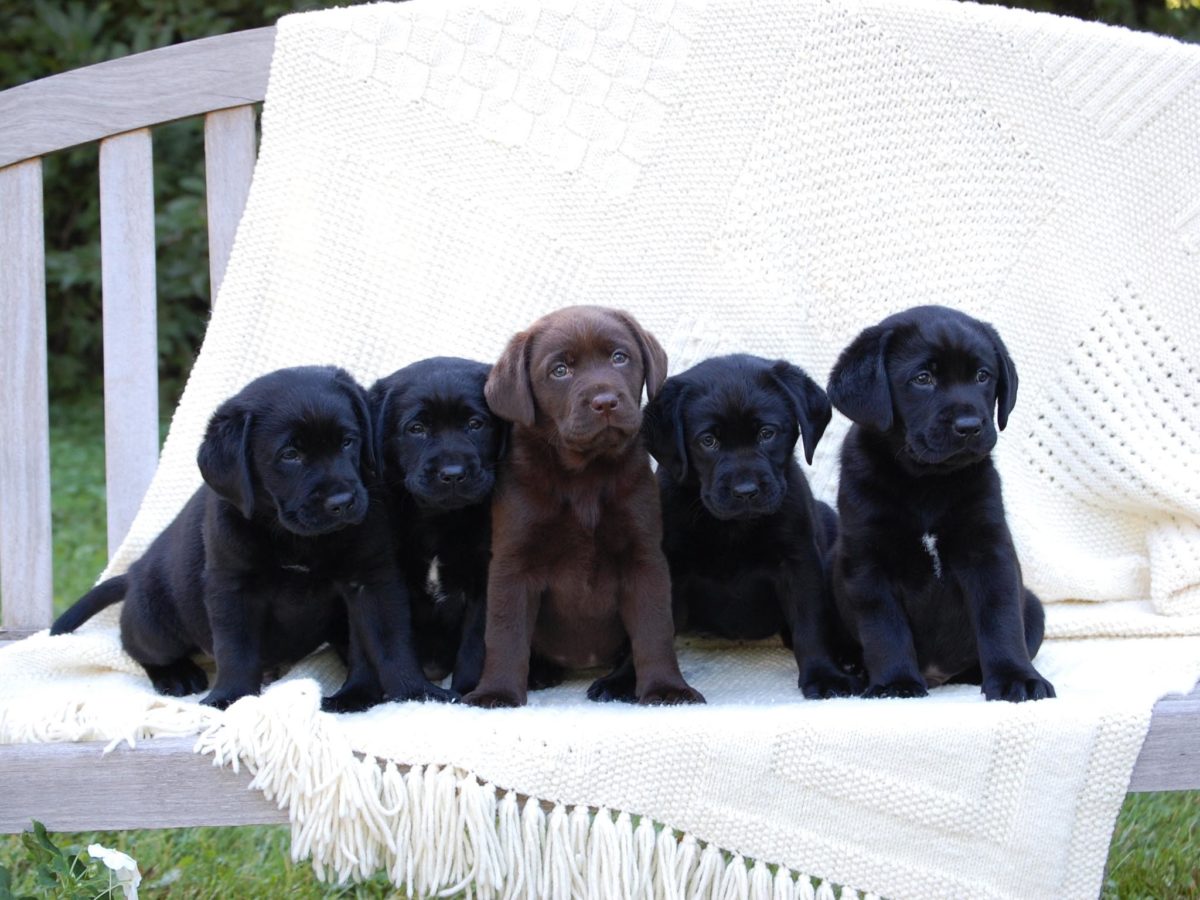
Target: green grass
1155,851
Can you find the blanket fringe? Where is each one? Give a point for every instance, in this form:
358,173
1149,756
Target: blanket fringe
440,831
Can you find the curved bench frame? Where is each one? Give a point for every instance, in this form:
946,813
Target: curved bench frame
71,787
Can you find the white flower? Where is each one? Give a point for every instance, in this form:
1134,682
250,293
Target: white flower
122,866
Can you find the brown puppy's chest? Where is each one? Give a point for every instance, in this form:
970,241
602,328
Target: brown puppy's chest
575,556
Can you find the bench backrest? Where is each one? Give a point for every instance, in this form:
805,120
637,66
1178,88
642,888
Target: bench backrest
114,103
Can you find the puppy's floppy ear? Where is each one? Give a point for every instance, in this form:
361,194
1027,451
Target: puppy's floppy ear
663,427
654,357
224,456
379,400
368,457
509,391
1006,378
809,403
858,386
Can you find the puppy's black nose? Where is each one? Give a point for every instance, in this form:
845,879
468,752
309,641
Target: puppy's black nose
606,402
746,490
451,475
968,426
339,504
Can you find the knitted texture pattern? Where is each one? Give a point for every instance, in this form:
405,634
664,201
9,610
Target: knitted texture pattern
768,178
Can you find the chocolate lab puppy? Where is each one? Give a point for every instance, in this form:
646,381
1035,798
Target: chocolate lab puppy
259,567
578,575
746,542
438,444
925,574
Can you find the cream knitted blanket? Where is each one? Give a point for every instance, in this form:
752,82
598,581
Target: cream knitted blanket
766,177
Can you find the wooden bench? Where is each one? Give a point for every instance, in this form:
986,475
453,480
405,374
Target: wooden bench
72,787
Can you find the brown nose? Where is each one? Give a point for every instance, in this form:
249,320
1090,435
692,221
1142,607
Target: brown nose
604,403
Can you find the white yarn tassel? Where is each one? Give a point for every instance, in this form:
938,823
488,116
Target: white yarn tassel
626,861
603,875
509,830
805,890
558,859
644,844
394,797
735,881
580,821
533,831
825,891
849,894
666,863
784,886
760,882
687,862
707,874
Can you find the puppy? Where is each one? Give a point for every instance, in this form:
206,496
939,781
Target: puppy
746,542
577,574
925,574
259,567
437,449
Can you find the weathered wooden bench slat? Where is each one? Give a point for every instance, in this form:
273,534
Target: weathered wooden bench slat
230,149
161,784
25,567
130,326
144,89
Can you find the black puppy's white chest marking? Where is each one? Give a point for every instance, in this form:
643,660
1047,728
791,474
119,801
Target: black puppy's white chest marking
296,567
929,542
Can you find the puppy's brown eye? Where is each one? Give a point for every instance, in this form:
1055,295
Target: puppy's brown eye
475,423
289,454
983,376
416,428
560,371
347,443
923,379
765,433
709,441
620,357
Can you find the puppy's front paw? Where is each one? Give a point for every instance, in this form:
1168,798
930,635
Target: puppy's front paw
177,679
670,695
903,687
611,688
220,699
350,700
488,699
1018,688
423,691
826,682
544,674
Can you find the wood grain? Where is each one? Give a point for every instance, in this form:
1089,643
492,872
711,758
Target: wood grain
130,326
161,784
229,153
25,562
133,92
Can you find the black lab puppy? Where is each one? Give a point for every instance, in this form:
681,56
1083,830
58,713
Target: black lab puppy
745,540
437,445
925,574
259,566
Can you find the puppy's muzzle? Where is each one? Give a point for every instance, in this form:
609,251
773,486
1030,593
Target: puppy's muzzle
322,514
450,484
743,496
341,505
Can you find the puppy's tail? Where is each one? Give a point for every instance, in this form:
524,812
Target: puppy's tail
103,595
